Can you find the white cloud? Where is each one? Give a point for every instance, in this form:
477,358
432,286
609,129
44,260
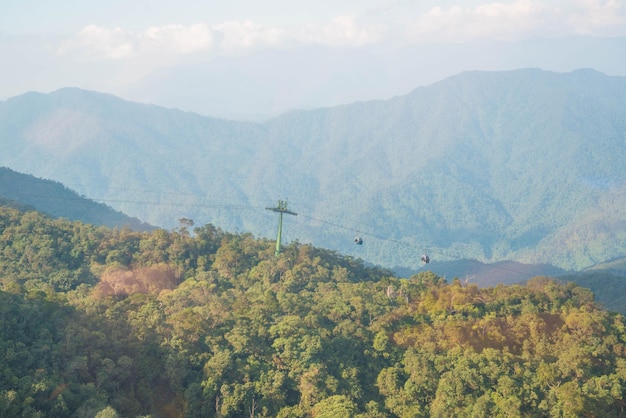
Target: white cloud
500,20
492,20
117,43
247,34
605,17
518,19
105,43
176,39
96,41
342,31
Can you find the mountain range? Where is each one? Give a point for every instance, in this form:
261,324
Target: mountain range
523,165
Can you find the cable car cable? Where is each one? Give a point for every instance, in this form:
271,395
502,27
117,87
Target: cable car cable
261,210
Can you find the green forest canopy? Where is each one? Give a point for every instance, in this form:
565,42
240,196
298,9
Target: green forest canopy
203,323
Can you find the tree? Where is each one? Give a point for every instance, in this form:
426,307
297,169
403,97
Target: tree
336,406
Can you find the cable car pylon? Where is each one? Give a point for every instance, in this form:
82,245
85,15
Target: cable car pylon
281,208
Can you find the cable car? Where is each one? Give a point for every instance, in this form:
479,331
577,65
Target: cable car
358,240
425,258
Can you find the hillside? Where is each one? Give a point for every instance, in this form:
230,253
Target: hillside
57,200
607,281
616,267
484,275
203,323
522,165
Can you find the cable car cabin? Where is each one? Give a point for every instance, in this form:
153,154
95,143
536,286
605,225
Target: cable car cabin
358,240
425,259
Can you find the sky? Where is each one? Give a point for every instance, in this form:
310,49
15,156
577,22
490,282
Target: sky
246,58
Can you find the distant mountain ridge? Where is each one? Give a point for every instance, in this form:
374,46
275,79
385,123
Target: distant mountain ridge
27,192
522,165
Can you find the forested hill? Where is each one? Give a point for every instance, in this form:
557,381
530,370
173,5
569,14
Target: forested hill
523,165
57,200
204,323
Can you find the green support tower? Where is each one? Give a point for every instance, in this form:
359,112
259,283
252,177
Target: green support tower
281,208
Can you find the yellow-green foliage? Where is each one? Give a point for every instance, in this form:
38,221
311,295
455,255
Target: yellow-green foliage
101,322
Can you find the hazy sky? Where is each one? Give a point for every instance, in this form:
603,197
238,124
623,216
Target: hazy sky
118,46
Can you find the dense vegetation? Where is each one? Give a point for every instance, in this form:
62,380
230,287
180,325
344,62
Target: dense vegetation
110,322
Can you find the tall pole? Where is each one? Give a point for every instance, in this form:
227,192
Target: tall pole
279,234
281,208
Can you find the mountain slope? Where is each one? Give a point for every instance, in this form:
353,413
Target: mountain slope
510,163
524,165
55,199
